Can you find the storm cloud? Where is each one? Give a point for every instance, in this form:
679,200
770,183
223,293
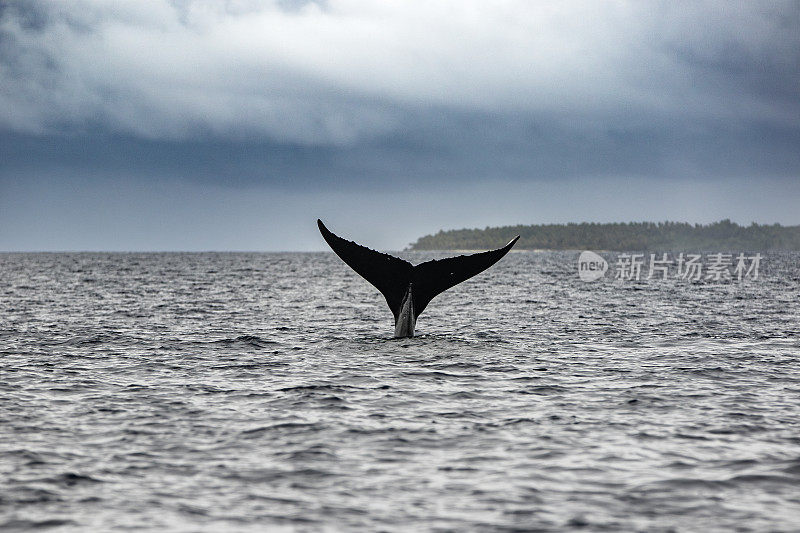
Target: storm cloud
347,71
373,96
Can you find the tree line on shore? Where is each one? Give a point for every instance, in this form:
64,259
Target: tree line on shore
620,236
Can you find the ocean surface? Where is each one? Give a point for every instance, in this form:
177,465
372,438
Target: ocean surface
263,392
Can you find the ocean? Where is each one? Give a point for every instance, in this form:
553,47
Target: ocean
263,392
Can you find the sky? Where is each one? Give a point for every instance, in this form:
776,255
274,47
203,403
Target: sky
233,125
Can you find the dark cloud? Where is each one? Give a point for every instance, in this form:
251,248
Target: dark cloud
453,148
385,98
342,72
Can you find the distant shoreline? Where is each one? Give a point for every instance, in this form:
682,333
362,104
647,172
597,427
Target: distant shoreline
619,236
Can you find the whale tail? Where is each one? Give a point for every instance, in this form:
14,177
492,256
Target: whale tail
397,279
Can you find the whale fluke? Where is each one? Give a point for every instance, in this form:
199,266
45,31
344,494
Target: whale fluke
408,289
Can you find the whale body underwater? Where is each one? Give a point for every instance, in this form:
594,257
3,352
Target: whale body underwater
408,289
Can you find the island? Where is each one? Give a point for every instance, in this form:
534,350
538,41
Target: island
620,236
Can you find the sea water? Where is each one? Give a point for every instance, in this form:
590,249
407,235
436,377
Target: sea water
263,392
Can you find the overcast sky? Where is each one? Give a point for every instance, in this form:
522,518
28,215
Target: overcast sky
210,125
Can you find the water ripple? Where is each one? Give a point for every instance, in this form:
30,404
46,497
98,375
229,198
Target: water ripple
252,392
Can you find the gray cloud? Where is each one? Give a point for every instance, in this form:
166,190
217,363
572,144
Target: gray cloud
347,72
194,124
434,150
